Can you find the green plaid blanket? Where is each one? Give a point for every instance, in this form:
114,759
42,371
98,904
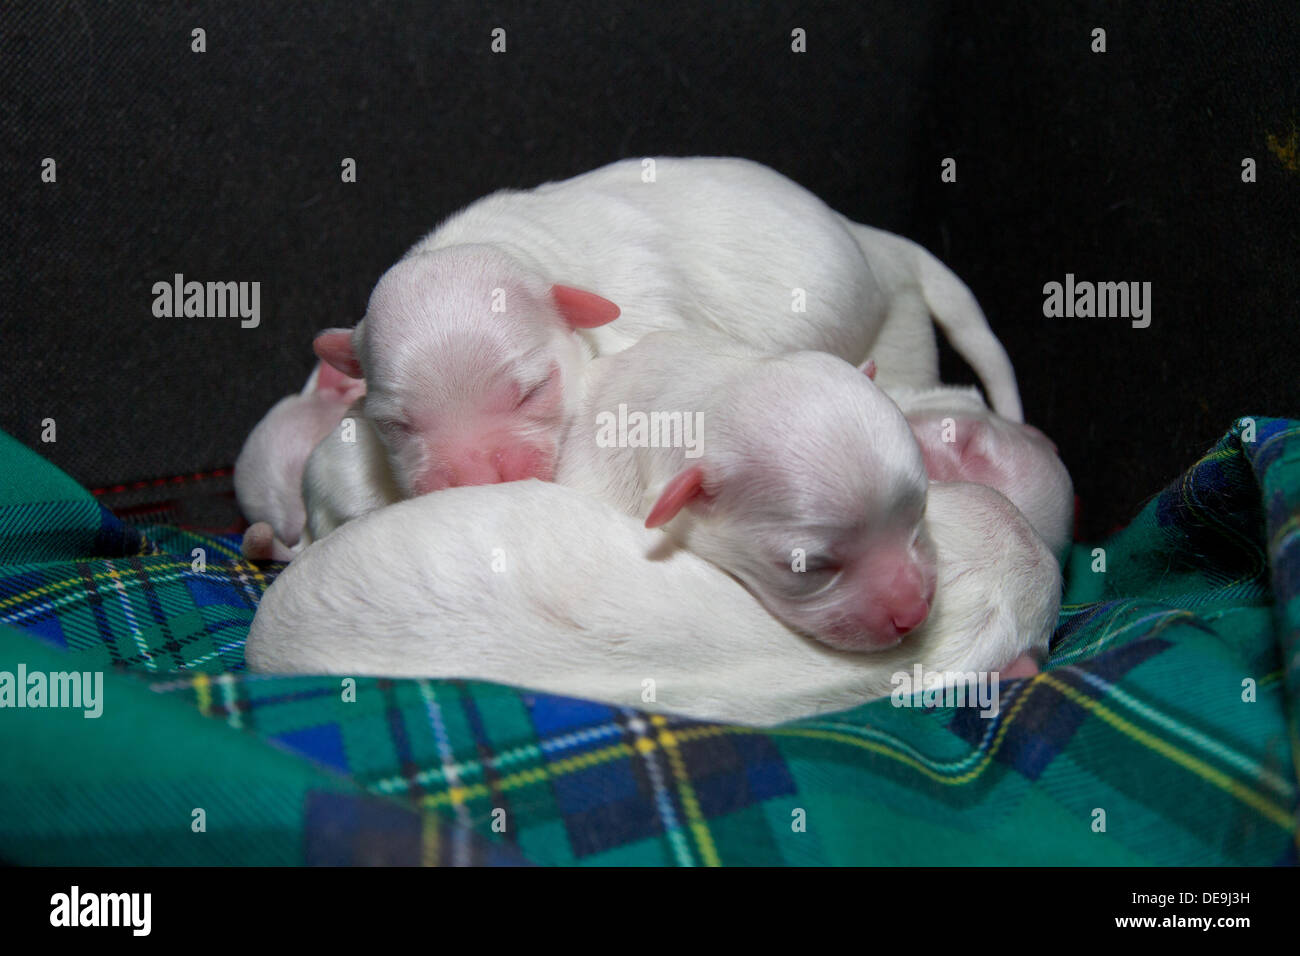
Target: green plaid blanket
1164,730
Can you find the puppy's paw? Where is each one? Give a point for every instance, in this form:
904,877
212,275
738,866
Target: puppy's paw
260,544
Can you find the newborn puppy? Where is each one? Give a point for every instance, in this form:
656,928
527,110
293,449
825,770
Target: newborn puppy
962,440
794,473
268,471
470,344
539,585
460,394
346,476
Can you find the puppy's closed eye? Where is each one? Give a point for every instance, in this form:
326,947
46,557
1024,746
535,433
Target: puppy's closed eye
814,566
532,392
393,427
824,566
537,393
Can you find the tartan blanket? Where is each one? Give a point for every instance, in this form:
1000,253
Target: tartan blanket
1163,730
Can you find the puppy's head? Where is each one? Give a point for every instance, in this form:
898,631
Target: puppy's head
468,358
811,490
1018,460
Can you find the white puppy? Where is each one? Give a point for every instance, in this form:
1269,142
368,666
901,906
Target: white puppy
470,344
268,472
346,476
539,585
962,440
795,473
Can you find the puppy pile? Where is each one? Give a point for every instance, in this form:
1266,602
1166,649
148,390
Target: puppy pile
611,438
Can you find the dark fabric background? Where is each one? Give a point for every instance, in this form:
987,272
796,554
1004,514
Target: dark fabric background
225,166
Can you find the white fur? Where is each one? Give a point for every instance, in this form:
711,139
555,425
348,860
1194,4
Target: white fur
720,244
438,360
919,286
1017,460
344,479
269,469
799,451
588,603
715,245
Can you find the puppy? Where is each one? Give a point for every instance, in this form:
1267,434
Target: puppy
346,476
471,343
539,585
962,440
794,473
269,469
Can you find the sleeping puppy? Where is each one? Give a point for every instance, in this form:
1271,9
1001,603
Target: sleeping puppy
346,476
794,473
471,344
268,471
804,479
962,440
538,585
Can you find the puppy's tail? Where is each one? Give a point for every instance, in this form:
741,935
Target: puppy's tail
953,306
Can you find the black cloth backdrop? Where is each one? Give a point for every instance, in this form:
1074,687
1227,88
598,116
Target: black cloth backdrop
225,165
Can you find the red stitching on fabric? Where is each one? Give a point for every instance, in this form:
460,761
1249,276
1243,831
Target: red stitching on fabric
156,482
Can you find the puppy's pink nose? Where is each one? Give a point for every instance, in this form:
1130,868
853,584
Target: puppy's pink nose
518,462
459,473
909,617
474,471
907,601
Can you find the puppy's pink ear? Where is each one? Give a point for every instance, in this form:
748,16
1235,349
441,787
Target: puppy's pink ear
583,310
331,379
868,368
680,491
334,347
